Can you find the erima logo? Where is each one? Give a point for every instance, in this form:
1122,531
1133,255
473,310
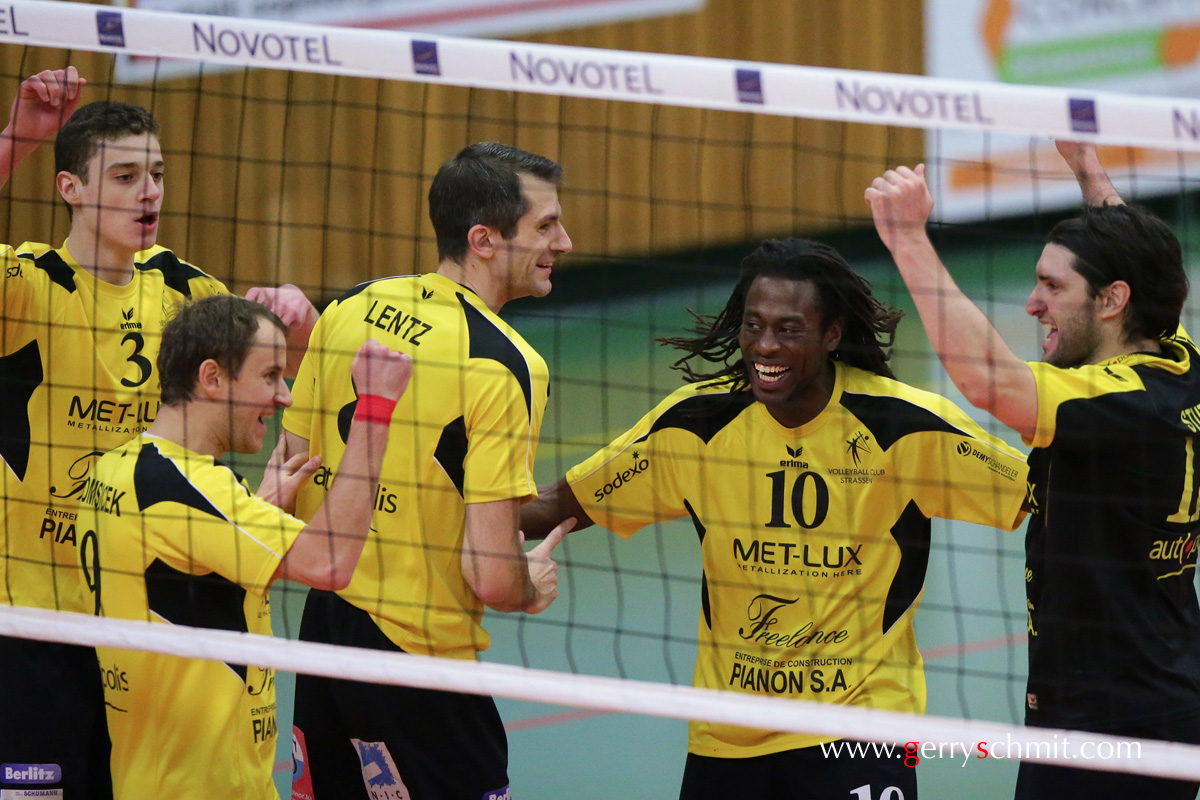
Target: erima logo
127,324
110,28
30,773
127,314
623,477
794,452
1083,115
425,58
749,86
426,294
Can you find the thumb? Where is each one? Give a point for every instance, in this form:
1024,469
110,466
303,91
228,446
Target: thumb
920,170
555,536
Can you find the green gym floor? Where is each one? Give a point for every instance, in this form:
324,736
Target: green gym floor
617,615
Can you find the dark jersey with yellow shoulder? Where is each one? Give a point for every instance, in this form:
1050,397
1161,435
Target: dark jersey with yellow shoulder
1114,627
77,378
814,540
465,431
174,537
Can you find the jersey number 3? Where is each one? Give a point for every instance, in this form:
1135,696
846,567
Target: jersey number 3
143,364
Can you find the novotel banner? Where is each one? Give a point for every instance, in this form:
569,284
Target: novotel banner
449,17
1148,47
981,108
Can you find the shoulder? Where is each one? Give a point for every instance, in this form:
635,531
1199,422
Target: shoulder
166,473
702,409
891,410
186,279
37,266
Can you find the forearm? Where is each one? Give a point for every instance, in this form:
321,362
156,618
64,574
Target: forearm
965,341
493,562
555,502
328,549
12,153
297,341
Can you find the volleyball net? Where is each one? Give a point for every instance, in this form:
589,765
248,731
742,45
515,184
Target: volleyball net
303,154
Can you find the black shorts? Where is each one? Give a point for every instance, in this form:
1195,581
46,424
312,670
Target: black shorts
804,773
53,733
349,735
1038,780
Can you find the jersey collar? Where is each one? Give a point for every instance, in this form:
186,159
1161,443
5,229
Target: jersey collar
817,422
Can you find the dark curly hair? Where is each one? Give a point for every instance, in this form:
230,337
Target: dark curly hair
869,325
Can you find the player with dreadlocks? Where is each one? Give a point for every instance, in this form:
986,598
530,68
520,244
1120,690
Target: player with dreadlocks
810,475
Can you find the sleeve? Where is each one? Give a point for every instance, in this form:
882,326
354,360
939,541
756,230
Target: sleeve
298,417
1057,421
18,291
640,478
962,472
204,285
503,426
225,530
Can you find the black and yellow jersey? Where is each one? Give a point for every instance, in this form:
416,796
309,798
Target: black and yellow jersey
814,540
465,431
174,537
77,378
1114,626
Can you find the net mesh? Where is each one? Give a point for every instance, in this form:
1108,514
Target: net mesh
317,175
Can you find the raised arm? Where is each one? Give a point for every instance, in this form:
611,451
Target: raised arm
1084,162
977,359
326,552
292,306
43,103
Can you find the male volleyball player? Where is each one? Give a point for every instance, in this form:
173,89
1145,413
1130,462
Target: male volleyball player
811,476
81,327
1111,412
169,534
445,541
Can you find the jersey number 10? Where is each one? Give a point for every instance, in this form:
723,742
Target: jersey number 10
809,506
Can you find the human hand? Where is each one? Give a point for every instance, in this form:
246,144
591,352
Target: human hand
543,571
379,370
43,103
900,204
282,478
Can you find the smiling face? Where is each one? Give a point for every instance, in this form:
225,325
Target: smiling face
118,203
786,347
258,391
1061,303
529,255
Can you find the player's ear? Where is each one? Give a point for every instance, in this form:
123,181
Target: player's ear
211,381
483,241
70,188
1113,299
833,335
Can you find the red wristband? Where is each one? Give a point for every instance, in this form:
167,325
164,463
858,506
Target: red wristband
375,409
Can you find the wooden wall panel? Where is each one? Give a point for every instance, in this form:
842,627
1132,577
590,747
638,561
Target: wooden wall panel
321,180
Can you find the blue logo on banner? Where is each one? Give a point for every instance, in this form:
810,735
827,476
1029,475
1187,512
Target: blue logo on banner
1083,115
30,773
425,58
749,86
111,28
